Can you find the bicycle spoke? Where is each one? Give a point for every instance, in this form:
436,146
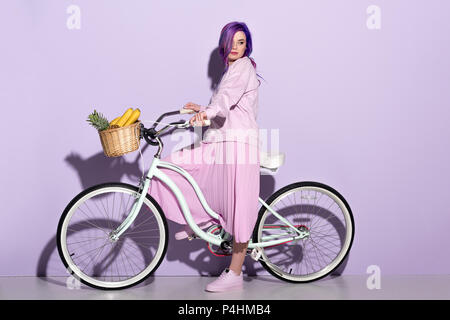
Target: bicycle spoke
101,261
98,253
92,224
321,216
85,240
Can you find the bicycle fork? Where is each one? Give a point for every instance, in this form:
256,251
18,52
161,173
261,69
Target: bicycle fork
144,185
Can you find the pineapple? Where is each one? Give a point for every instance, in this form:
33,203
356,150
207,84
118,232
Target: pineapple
98,121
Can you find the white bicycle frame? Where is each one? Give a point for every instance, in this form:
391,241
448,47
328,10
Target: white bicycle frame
154,171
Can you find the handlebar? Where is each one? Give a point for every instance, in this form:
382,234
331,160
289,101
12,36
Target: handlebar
151,135
183,111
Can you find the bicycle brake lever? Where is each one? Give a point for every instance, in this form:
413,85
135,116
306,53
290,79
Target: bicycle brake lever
183,125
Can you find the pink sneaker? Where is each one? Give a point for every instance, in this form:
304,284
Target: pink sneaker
227,281
188,232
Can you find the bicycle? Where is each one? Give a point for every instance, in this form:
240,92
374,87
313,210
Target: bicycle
295,242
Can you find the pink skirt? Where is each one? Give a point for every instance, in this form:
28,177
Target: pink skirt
228,175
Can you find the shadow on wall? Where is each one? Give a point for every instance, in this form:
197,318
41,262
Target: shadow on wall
100,169
192,253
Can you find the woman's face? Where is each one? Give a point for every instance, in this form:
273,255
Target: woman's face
238,48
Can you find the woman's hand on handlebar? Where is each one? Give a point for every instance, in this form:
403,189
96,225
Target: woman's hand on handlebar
199,117
192,106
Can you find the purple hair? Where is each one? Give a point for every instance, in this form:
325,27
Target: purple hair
226,42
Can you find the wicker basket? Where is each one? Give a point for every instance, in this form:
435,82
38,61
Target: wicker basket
119,141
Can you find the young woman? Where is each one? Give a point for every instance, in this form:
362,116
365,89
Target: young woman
228,171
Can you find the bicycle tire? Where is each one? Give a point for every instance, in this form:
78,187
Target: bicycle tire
62,245
278,195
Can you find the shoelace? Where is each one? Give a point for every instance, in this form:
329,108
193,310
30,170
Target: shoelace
224,274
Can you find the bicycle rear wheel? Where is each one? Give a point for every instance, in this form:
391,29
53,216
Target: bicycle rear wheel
310,206
96,259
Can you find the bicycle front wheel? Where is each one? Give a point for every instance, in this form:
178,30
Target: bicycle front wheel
308,206
92,255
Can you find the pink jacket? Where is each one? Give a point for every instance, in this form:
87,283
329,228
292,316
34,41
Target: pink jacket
234,106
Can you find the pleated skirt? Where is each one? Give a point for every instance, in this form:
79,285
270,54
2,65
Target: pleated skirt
228,174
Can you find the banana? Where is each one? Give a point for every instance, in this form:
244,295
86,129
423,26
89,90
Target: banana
134,116
114,121
124,118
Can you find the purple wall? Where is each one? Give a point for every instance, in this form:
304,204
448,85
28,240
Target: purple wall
363,110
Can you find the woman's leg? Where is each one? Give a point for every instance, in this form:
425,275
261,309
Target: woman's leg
238,257
231,280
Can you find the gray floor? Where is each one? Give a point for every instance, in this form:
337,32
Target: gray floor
405,287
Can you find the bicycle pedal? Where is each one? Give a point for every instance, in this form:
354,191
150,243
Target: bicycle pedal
256,254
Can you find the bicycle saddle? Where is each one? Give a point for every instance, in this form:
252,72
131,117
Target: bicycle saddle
271,161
